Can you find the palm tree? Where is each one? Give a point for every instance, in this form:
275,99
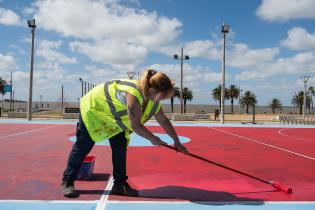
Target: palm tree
2,85
248,99
308,101
233,93
187,96
275,104
216,94
311,90
176,95
298,100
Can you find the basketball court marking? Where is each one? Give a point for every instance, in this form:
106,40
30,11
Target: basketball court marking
103,201
265,144
25,132
293,137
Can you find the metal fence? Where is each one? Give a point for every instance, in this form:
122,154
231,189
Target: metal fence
297,120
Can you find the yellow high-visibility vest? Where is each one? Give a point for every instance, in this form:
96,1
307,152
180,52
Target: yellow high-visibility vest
104,109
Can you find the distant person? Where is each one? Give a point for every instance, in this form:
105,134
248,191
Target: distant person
112,111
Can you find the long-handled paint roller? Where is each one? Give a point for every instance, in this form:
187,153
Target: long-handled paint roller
275,184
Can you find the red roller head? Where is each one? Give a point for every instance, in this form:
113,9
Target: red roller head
281,187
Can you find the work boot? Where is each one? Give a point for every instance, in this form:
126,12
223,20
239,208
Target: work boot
67,189
124,189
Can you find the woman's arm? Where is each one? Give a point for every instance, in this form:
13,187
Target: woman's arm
169,129
134,113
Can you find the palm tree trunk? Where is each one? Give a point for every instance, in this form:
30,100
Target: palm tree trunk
246,109
172,104
312,106
301,109
232,105
185,106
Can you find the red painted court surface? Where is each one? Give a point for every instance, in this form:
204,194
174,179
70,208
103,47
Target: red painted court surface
33,157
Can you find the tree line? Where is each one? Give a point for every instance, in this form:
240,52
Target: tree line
248,99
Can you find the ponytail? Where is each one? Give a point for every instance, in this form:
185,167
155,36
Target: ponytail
156,80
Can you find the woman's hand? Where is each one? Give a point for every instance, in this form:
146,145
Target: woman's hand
180,147
157,141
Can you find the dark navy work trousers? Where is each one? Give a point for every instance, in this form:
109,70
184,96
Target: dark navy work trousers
84,145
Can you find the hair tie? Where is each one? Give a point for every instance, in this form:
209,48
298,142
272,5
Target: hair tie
151,72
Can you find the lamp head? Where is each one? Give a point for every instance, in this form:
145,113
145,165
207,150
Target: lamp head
225,28
31,23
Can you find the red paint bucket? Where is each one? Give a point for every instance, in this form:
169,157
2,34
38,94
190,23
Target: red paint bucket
86,169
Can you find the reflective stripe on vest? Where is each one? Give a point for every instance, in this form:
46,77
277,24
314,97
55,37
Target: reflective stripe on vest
118,115
126,83
153,110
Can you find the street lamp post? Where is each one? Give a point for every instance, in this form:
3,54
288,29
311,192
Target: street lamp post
239,100
84,87
305,79
41,102
11,82
81,80
13,100
32,25
225,30
182,58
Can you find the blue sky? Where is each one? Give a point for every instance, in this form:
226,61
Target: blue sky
271,44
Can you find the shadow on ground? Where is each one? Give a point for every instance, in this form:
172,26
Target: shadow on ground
196,195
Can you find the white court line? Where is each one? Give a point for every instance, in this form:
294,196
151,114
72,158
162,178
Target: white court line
46,201
31,131
212,202
269,145
279,132
103,201
159,202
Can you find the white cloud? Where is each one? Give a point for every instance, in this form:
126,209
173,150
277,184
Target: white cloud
199,79
8,17
49,73
112,52
194,76
48,51
198,48
108,32
7,63
299,39
100,75
203,48
241,56
105,19
298,64
284,10
238,55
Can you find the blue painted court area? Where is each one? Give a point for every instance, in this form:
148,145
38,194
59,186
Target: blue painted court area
137,140
46,205
115,205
